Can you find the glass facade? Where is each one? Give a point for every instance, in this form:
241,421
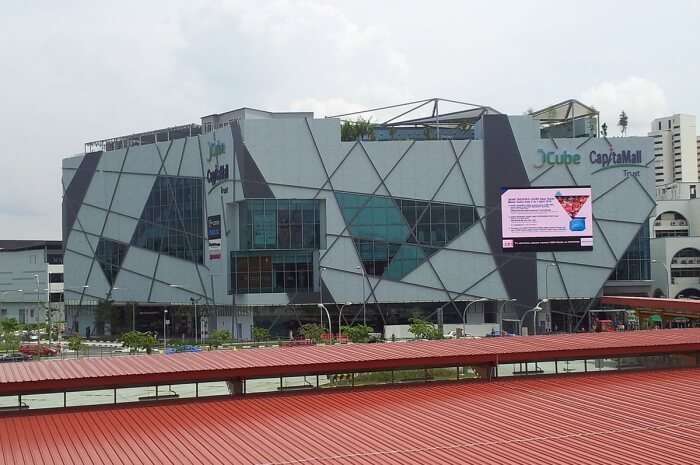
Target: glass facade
278,238
272,271
635,264
172,221
110,255
394,236
280,224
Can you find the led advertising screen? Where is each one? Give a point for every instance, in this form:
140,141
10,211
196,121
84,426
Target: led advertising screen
538,219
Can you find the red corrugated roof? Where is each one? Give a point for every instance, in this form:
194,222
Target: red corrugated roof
220,365
609,418
688,307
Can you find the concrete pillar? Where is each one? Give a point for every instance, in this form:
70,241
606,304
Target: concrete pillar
235,386
484,371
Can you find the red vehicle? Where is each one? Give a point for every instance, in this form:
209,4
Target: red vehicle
605,326
37,349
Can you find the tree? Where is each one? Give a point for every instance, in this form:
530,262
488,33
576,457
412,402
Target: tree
312,331
218,338
623,123
604,129
357,333
9,342
76,344
9,325
261,334
355,130
422,329
136,340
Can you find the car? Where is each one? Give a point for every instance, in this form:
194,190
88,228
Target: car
14,357
38,349
183,348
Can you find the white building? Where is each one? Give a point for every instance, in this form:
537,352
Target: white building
675,240
31,280
676,149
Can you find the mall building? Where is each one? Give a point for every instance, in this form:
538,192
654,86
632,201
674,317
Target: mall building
254,218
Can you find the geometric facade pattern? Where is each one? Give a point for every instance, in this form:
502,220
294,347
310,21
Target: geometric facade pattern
407,221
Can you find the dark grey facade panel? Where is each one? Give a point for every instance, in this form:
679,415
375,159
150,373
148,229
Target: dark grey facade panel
501,150
76,190
252,180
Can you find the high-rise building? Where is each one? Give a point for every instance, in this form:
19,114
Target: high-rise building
675,149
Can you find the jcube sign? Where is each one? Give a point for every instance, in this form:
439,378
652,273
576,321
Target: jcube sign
219,173
558,158
602,160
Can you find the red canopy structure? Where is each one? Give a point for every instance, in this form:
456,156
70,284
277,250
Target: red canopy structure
670,307
85,374
613,418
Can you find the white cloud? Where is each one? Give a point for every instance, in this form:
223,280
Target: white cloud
642,100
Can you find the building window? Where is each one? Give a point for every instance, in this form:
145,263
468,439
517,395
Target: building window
393,236
55,259
272,271
56,277
172,221
635,264
692,191
56,297
280,224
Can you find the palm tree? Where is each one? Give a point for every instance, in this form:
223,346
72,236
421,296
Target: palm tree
623,123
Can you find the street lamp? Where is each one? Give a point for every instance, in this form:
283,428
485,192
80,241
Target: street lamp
196,320
364,304
330,327
320,293
464,313
535,309
165,336
500,314
340,314
546,280
668,279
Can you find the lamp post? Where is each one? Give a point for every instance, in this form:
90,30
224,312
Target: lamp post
534,309
340,314
500,314
196,320
330,327
464,313
364,304
546,280
320,293
668,278
165,336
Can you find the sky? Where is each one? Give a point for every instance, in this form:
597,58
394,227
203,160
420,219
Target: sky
76,71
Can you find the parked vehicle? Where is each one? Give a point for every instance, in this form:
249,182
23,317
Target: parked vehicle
183,348
38,349
14,357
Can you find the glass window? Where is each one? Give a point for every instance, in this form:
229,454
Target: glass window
271,271
172,221
280,224
110,255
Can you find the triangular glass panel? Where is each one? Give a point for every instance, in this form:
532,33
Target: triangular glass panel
110,255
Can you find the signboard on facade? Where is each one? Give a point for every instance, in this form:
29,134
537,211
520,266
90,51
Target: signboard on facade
214,236
537,219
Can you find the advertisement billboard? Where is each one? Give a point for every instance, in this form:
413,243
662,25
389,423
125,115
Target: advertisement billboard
538,219
214,236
